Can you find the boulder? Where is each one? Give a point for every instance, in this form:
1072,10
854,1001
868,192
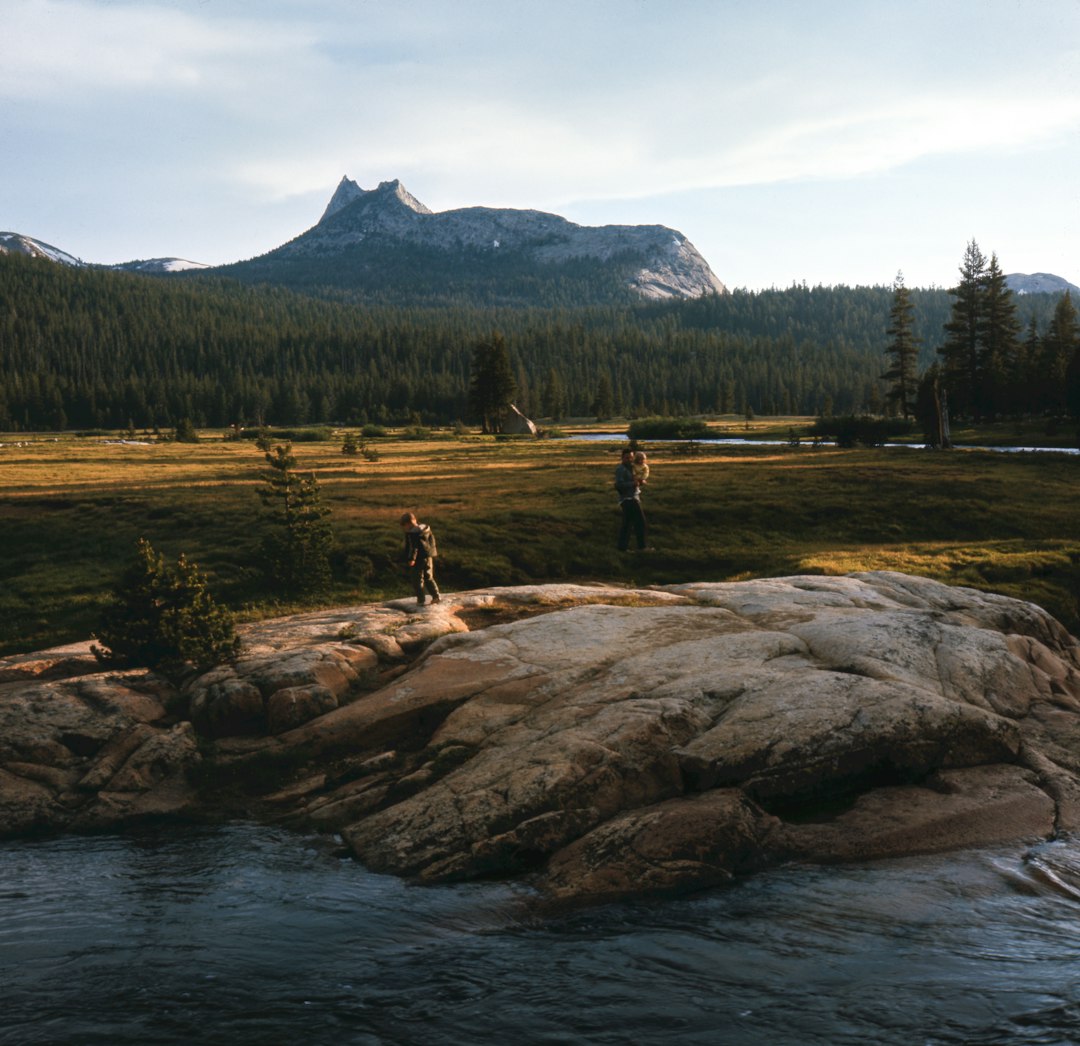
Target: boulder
601,741
66,745
293,705
278,690
798,695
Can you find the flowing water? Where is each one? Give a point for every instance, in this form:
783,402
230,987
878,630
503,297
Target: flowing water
244,934
736,441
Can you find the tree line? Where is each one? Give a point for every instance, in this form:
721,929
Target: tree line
988,363
85,349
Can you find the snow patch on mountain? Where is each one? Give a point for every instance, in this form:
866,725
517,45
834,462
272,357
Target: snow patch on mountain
160,265
16,243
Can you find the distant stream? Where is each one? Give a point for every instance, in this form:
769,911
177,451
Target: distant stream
247,934
736,441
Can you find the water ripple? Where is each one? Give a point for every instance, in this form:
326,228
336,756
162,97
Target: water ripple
242,934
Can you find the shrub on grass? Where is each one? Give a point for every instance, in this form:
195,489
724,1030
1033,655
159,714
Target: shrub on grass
849,430
185,431
163,617
313,434
668,428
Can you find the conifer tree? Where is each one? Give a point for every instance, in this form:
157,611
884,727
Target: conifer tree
1072,386
296,551
553,397
185,431
603,404
491,384
902,350
163,617
1059,346
999,342
1025,378
961,351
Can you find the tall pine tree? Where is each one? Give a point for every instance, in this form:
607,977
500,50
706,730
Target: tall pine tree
999,343
603,404
1059,347
553,398
961,351
902,350
491,384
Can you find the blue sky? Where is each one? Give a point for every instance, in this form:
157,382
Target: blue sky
831,141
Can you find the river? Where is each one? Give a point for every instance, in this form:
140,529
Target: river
736,441
247,934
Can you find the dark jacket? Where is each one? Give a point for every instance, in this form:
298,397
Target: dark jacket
419,544
625,484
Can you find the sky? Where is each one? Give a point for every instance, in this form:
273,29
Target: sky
825,141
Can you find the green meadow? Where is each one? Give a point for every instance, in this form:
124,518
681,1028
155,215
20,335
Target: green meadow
510,512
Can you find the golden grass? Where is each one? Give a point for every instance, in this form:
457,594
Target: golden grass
519,511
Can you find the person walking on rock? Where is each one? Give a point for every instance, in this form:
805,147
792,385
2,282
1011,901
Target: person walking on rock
633,517
420,553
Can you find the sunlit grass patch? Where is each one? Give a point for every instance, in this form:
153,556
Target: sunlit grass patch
1046,572
530,511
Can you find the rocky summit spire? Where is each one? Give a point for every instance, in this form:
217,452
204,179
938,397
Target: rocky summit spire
349,192
396,189
344,194
386,242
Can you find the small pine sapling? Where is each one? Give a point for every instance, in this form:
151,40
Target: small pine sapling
164,617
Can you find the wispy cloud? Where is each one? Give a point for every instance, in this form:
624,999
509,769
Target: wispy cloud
872,141
131,102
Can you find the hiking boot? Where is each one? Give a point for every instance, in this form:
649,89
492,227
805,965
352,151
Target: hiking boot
436,599
420,601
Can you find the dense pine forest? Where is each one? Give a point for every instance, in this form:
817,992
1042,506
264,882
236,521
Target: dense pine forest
86,349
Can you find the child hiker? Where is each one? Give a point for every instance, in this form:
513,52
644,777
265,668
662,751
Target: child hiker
420,553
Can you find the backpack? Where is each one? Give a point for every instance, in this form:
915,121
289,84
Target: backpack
427,542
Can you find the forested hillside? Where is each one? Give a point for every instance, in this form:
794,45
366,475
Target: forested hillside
83,348
385,272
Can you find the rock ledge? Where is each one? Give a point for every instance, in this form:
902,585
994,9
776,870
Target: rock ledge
601,741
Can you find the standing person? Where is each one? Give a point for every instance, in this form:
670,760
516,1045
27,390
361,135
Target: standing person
420,553
633,518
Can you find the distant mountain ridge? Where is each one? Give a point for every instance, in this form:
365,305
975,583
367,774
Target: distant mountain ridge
485,252
386,243
1039,283
17,243
159,265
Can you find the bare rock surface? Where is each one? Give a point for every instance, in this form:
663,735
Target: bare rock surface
602,741
665,263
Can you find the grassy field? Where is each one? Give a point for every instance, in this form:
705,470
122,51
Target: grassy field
511,512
